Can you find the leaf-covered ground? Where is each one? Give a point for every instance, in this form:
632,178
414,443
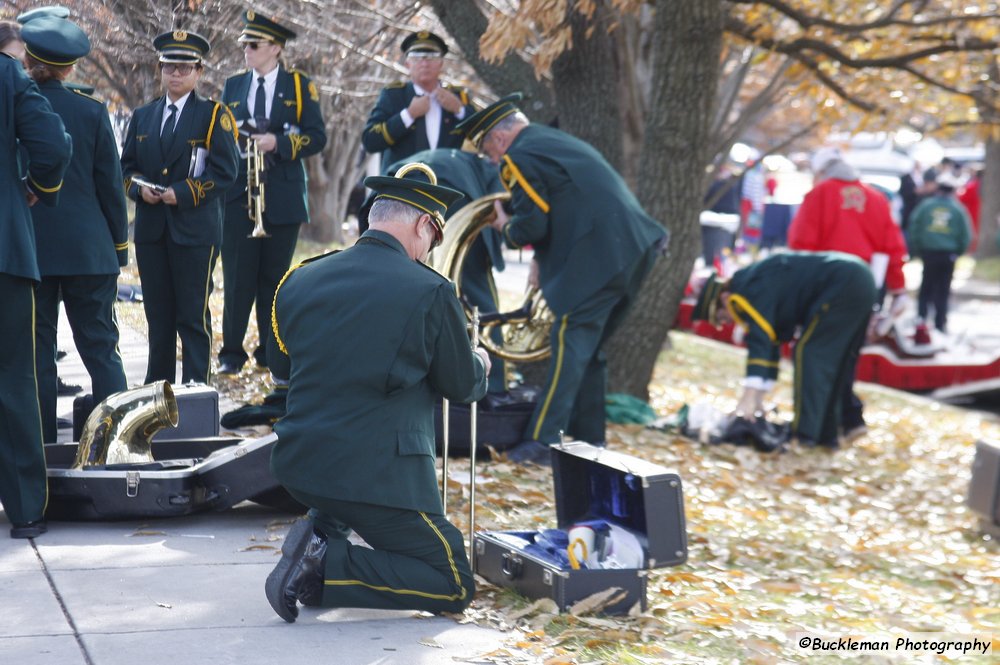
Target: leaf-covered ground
873,538
869,539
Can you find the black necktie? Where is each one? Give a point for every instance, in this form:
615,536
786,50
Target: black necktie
260,101
167,133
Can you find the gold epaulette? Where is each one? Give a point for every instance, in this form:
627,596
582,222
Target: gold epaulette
83,94
396,84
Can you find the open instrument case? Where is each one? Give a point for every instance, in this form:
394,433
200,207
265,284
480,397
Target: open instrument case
187,476
593,484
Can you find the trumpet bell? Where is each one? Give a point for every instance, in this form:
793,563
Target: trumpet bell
525,331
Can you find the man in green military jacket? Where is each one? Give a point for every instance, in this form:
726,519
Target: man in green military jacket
26,119
420,114
829,296
475,177
594,245
357,442
292,129
178,160
83,241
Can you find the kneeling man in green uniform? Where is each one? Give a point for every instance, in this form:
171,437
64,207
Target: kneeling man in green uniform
828,296
357,442
594,246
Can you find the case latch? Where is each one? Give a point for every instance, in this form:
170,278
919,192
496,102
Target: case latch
131,484
511,566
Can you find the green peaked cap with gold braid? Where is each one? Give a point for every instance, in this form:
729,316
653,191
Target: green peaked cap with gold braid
477,125
416,185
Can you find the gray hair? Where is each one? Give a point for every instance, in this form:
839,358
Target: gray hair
508,123
391,210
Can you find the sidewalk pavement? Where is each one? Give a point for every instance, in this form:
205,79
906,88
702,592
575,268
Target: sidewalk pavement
188,589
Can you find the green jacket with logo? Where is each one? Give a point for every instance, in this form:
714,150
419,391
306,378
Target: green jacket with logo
939,224
297,122
196,220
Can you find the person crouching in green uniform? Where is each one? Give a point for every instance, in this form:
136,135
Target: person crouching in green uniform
828,296
594,246
83,241
357,442
26,118
475,177
184,146
282,107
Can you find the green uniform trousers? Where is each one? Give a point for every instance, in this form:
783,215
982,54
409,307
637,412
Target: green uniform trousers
417,560
480,290
23,483
251,270
826,355
176,282
573,398
90,308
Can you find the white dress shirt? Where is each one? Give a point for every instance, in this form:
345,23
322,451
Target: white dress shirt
166,111
270,82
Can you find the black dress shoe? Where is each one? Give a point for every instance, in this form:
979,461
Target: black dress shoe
531,452
29,530
228,368
64,423
63,389
60,355
299,574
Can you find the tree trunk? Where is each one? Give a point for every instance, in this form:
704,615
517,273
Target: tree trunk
332,176
584,80
465,24
686,65
989,209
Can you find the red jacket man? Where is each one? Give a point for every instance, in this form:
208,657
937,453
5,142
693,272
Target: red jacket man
843,214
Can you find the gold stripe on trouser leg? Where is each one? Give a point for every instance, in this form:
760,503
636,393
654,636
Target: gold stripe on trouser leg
204,316
38,406
555,377
414,592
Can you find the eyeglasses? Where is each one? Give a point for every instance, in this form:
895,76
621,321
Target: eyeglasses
171,67
438,234
253,46
423,55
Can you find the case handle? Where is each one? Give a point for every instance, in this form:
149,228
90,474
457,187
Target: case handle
511,565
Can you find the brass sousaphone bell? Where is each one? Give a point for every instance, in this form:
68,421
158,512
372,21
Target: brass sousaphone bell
524,331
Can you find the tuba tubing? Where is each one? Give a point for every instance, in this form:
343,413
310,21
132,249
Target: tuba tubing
525,330
119,429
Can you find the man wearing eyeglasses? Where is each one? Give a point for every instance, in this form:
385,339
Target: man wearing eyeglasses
365,460
178,160
421,114
279,110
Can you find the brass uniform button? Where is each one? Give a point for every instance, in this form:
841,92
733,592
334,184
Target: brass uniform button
164,172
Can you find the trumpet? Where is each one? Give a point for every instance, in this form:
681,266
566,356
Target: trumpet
255,183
